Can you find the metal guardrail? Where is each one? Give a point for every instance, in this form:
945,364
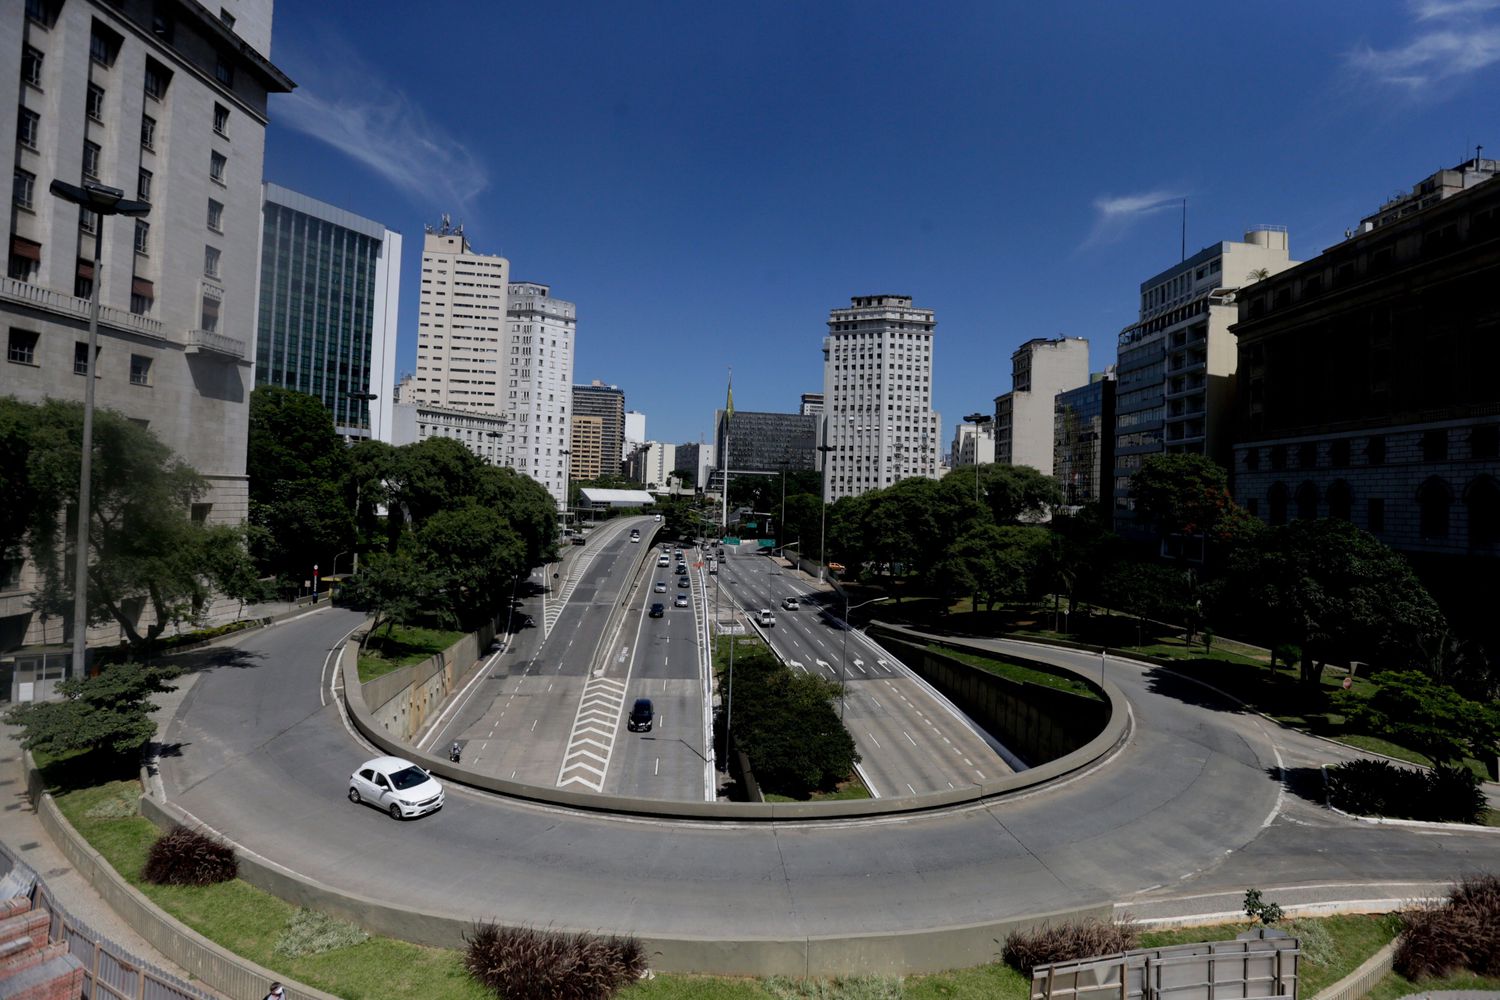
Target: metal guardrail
110,972
1260,967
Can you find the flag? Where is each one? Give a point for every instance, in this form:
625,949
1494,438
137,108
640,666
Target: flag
729,402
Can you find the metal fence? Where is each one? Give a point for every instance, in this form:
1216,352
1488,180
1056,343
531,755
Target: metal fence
109,971
1260,967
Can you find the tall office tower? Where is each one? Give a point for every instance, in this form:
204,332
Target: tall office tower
461,326
587,447
538,401
1176,366
1083,442
764,443
1024,419
169,104
634,432
658,464
330,283
877,392
690,464
811,404
607,403
974,444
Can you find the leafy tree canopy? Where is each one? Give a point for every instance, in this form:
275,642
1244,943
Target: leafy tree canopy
110,711
1016,493
1181,494
1416,711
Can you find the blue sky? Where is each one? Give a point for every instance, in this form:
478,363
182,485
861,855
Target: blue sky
706,181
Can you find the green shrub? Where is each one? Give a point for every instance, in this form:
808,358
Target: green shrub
1067,942
1447,793
1461,932
187,857
520,963
309,932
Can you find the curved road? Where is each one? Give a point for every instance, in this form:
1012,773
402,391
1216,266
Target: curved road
1193,802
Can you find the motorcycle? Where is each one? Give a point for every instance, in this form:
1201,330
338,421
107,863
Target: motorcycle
455,752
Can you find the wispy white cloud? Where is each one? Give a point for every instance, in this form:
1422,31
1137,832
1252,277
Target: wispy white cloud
1114,215
1460,40
360,114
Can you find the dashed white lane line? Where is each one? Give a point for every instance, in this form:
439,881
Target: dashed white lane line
908,737
873,739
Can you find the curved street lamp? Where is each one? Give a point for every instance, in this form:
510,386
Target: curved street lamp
844,651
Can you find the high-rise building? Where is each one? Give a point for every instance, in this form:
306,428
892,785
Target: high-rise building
1039,370
329,288
691,464
607,402
974,444
170,106
1429,191
587,448
811,405
1176,365
481,433
634,432
538,400
1083,440
461,324
764,443
877,393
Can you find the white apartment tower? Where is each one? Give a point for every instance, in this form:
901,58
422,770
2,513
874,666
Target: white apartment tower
462,324
168,103
1025,417
878,423
539,385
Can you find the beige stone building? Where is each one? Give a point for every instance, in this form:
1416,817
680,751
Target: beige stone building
586,457
461,324
1024,417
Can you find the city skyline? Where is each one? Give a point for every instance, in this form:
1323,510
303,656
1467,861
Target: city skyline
686,151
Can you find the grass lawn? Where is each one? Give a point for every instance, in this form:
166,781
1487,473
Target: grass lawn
1393,987
851,789
406,645
1019,672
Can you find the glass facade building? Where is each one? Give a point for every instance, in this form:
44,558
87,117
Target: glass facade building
329,287
1083,438
766,442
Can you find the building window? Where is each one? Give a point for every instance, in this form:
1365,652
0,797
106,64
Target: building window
27,128
25,258
81,358
1278,457
96,102
1252,459
1307,455
1433,500
216,164
91,157
157,78
88,222
148,132
224,70
104,45
21,349
211,262
25,188
1484,442
142,296
1338,453
1375,516
210,315
143,185
221,120
1482,497
142,236
1307,501
43,12
162,26
1434,445
83,280
200,511
227,18
1276,501
140,370
31,66
1375,450
215,216
1340,501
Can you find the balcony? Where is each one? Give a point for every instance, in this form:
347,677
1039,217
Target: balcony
49,300
208,342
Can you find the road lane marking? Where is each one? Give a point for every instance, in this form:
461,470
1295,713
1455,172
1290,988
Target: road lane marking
873,739
593,736
908,737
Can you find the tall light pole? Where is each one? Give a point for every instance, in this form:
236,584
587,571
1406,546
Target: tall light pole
567,457
844,652
102,201
978,420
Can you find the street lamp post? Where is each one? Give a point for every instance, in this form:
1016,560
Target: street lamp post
844,652
102,201
978,420
823,511
367,397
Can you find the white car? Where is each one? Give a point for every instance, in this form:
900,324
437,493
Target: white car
791,604
397,786
765,617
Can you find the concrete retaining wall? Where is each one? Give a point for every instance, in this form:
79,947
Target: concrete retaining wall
1036,723
1363,979
218,968
403,701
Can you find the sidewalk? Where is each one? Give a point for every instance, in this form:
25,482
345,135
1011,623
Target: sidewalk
22,834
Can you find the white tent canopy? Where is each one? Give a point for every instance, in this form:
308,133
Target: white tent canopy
616,498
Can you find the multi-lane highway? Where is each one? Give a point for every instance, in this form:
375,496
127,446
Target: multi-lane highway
910,740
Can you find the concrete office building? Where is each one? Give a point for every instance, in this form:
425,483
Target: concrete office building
329,288
586,452
811,404
764,443
1425,193
481,433
1024,417
1083,439
461,324
1369,388
692,464
877,392
168,104
974,444
540,346
1176,367
652,463
634,432
607,402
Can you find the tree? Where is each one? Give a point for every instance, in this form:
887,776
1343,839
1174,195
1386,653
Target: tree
110,711
473,558
1334,591
145,547
1180,494
527,509
1017,493
394,587
996,562
298,469
1416,711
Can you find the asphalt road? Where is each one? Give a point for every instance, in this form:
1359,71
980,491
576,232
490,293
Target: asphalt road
1194,802
910,740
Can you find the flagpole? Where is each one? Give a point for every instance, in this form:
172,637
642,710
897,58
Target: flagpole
728,421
